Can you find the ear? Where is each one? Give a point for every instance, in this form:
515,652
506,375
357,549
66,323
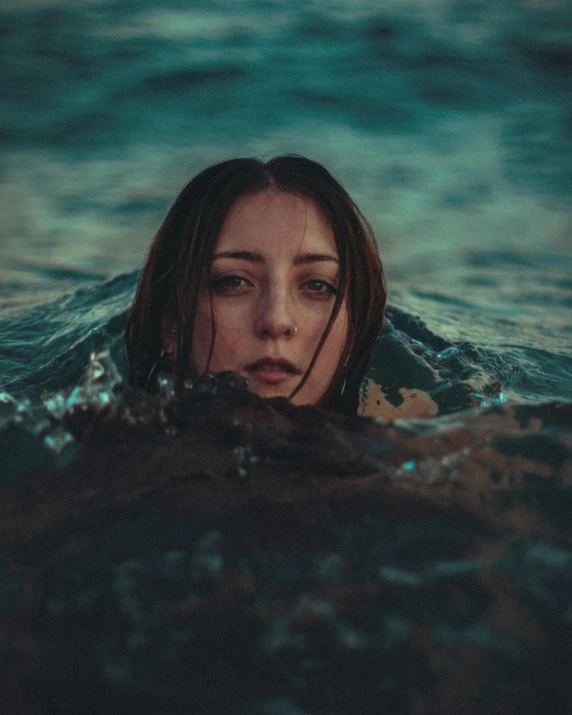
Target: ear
169,336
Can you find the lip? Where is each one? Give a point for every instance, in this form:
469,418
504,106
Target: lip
272,370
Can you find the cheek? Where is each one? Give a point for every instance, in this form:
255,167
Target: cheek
202,336
331,352
338,336
230,331
315,324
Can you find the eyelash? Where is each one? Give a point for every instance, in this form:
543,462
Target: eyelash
225,284
228,284
330,289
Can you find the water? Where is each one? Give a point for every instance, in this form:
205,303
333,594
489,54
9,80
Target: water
448,122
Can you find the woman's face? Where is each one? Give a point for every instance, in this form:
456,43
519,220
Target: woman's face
274,277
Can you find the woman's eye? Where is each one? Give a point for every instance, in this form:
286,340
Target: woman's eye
320,288
228,284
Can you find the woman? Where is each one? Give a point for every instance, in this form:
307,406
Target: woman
265,269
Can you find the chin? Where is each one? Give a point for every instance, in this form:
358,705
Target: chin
268,392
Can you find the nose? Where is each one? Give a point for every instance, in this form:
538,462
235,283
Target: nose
274,317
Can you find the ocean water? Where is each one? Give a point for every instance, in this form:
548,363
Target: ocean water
450,124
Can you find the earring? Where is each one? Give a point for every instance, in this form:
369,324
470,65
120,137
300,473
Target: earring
157,364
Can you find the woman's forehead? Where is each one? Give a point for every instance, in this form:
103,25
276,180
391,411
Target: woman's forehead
272,220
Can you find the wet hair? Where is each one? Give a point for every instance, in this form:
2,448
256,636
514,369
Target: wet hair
180,256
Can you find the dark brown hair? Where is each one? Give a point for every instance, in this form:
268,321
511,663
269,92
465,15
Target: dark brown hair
182,250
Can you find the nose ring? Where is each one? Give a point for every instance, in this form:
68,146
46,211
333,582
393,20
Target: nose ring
295,329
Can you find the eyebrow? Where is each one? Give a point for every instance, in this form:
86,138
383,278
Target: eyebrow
254,257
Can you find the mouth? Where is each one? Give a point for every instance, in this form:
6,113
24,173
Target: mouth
272,370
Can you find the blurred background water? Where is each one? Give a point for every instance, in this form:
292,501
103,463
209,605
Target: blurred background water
449,122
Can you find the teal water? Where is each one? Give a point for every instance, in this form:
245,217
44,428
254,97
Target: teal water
448,122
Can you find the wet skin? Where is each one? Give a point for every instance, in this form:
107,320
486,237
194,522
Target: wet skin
273,283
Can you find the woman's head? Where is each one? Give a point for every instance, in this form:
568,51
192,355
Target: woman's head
267,269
